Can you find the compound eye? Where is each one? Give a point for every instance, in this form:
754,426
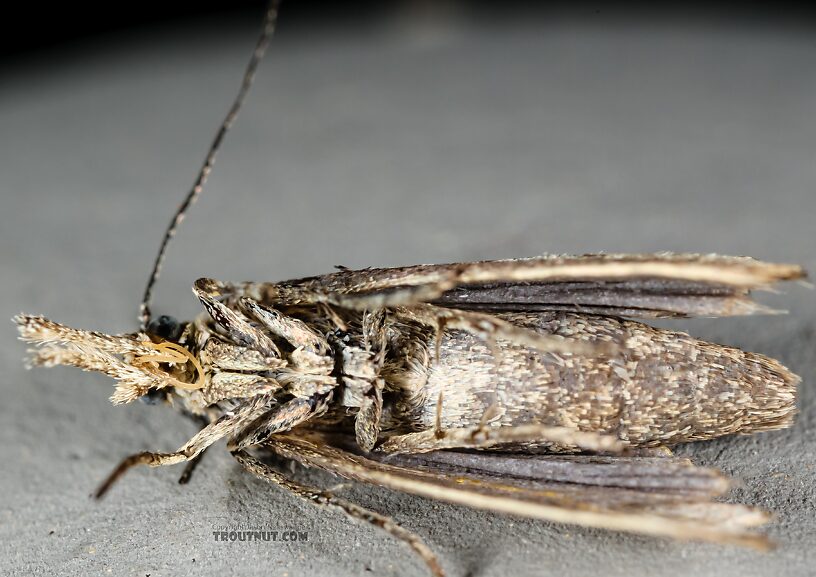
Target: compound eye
166,327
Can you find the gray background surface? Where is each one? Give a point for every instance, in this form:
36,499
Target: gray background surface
394,146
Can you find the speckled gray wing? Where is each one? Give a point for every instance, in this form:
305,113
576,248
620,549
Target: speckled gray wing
659,496
637,285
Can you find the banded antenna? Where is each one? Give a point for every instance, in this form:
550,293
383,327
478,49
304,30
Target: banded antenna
267,32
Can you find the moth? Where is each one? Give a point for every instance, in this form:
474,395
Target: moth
525,386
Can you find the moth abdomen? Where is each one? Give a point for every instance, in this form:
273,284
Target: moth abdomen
659,388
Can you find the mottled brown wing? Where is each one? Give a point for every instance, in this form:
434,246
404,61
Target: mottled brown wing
659,496
640,298
636,285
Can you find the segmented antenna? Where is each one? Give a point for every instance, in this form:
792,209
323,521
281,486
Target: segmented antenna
249,75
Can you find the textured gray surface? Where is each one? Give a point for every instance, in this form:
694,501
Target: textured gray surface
383,149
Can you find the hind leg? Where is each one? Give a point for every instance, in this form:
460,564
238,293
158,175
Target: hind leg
327,499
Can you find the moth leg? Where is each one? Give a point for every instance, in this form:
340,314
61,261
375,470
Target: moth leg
376,296
489,328
294,331
193,463
282,418
367,422
190,467
402,296
235,323
226,425
362,390
233,385
659,451
483,437
327,499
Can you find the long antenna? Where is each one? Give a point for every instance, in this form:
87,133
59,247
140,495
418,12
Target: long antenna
249,75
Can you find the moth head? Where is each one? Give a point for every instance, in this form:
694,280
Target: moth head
145,365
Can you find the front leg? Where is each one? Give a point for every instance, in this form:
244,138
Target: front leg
237,325
193,463
229,424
